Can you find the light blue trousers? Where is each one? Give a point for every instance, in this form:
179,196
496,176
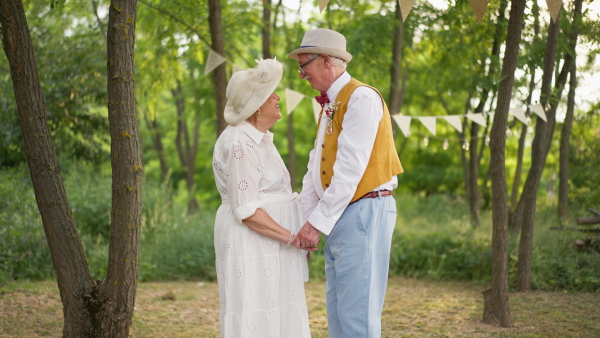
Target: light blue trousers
357,255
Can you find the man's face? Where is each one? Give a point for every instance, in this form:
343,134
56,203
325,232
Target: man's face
313,71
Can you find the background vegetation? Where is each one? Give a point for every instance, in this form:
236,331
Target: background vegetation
433,236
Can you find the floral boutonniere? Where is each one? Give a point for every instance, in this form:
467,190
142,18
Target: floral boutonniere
330,109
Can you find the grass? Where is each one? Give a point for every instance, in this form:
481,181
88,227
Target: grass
414,307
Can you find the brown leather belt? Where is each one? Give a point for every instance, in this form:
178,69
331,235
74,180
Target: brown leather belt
374,194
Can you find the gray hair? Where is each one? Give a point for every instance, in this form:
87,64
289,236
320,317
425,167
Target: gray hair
334,60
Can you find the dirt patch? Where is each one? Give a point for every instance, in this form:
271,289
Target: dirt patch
421,308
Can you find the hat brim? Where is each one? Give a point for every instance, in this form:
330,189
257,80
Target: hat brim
255,102
321,50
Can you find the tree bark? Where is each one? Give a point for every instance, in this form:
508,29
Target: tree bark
219,73
496,305
90,308
156,136
541,146
395,72
563,174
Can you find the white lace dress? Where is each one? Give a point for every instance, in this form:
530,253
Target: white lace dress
261,280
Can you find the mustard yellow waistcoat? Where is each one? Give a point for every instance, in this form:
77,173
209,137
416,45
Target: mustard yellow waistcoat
383,163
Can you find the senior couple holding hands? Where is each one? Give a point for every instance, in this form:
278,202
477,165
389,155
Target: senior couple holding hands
264,232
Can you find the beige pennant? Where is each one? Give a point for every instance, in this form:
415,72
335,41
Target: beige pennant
213,61
454,121
477,118
539,111
404,123
429,123
292,98
405,7
519,113
554,8
479,7
236,69
322,5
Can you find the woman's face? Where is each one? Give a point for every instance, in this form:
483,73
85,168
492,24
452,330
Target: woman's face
269,111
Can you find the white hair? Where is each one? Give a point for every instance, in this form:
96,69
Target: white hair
334,60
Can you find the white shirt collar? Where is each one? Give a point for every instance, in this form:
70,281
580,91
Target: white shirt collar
255,134
337,86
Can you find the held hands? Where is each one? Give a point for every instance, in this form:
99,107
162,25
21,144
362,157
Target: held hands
307,238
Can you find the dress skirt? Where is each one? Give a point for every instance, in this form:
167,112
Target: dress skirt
261,280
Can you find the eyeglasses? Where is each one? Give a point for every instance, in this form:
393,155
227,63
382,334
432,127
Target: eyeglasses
301,67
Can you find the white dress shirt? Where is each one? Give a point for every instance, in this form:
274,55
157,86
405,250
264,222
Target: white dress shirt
355,143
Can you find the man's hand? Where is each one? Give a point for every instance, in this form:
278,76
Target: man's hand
307,238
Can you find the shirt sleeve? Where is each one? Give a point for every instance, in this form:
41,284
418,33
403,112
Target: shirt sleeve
244,170
308,196
355,144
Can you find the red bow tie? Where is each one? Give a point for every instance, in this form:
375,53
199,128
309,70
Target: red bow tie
322,99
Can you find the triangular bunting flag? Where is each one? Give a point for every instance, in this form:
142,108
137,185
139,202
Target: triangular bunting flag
479,7
322,5
404,123
519,113
554,8
236,69
405,7
292,98
477,118
429,123
213,61
454,121
539,110
316,109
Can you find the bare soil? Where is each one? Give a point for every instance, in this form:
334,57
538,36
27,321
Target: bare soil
413,308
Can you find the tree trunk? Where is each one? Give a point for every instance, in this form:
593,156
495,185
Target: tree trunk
185,149
496,305
72,272
563,187
156,136
514,197
266,29
90,308
395,87
219,74
541,146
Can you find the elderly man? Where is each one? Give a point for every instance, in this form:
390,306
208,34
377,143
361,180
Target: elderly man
347,191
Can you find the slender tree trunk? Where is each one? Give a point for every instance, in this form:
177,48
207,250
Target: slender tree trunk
540,147
496,308
396,68
118,290
155,134
563,187
187,151
90,308
266,29
219,74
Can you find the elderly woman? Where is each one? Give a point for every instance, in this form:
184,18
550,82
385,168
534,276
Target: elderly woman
260,269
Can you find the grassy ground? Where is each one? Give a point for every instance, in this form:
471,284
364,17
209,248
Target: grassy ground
422,308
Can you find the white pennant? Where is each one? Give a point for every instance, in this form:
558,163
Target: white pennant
322,5
519,113
454,121
477,118
316,109
429,123
236,69
539,110
404,123
405,7
292,98
213,61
